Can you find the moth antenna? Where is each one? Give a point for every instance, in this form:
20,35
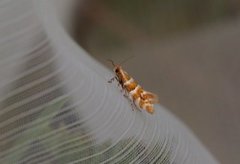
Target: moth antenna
125,60
111,61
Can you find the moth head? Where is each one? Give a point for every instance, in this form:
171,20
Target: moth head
117,69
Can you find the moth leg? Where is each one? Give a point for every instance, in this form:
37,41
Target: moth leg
112,79
133,106
125,94
119,85
137,107
122,90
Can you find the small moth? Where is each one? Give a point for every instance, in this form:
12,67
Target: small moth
141,99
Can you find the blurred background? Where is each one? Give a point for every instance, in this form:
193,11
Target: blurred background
185,51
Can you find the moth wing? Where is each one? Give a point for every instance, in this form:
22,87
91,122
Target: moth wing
149,97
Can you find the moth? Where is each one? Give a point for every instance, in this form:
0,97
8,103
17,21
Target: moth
140,98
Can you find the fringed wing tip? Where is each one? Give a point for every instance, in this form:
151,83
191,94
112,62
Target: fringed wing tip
151,97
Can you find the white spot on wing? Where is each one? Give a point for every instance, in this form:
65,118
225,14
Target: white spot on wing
128,82
135,90
137,102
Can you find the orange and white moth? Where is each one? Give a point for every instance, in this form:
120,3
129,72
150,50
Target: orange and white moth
140,98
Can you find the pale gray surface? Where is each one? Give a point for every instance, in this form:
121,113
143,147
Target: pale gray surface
60,68
196,75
